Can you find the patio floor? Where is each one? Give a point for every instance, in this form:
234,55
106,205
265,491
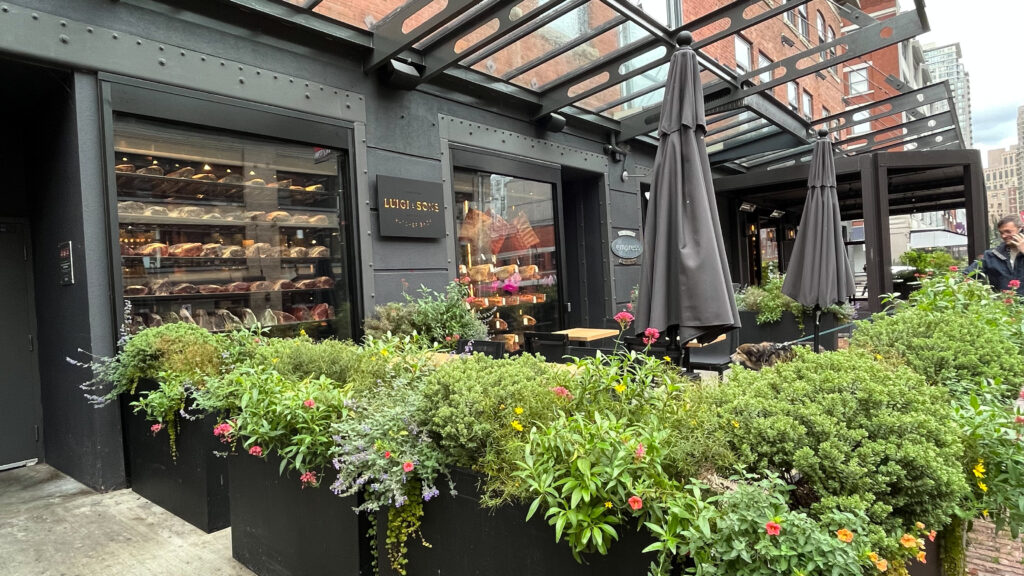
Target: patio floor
51,525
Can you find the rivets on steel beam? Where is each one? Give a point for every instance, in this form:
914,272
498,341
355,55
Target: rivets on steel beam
241,80
4,9
114,36
63,24
89,29
64,39
307,95
35,16
162,62
160,48
138,42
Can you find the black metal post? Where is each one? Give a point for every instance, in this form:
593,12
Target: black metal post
817,328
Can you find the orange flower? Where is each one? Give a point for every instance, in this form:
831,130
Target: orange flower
920,558
920,525
882,565
873,557
931,535
844,535
908,541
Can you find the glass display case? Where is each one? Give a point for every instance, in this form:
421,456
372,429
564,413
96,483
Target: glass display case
227,231
508,251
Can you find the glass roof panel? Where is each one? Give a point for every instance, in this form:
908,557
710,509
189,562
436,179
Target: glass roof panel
478,8
566,64
360,14
734,131
629,97
549,39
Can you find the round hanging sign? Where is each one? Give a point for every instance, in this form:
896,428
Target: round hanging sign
627,247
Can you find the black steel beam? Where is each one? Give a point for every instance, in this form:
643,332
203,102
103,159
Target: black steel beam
389,40
295,15
893,105
876,139
440,55
642,19
632,96
753,144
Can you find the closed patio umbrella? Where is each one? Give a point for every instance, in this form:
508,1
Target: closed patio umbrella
685,284
819,274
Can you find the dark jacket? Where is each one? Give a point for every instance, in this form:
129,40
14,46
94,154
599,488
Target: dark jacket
995,264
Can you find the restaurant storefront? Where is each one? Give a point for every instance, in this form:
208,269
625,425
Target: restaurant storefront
228,163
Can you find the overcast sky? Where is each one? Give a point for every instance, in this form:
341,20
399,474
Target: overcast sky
991,36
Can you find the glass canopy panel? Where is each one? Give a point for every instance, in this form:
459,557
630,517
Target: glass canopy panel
735,131
354,13
628,97
472,12
665,12
549,40
538,77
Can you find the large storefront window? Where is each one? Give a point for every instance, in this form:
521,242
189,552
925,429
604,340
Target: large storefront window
227,231
507,248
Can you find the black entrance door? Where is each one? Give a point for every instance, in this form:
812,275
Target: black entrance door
20,410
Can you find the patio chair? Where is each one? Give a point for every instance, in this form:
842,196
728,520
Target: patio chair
715,357
485,347
588,352
552,347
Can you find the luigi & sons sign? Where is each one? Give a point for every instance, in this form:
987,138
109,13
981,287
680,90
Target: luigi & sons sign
410,208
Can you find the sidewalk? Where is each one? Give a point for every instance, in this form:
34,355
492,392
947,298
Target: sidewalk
50,525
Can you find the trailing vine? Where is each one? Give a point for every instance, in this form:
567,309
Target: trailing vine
403,522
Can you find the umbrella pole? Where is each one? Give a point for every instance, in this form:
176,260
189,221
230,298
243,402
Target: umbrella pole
817,328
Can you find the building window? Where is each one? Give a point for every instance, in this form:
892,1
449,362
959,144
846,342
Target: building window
821,34
743,55
763,62
830,35
790,16
862,127
804,24
793,96
808,105
858,81
825,113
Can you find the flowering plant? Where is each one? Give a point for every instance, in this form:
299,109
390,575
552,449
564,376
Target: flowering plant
440,318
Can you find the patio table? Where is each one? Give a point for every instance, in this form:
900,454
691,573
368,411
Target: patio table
586,335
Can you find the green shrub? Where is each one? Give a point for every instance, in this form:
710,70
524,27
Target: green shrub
301,357
936,261
441,318
480,408
947,347
851,434
391,318
731,538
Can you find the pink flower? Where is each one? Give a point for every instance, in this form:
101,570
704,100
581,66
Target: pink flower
624,319
1008,301
256,451
562,392
651,336
447,338
635,502
640,451
308,479
256,340
772,528
156,428
470,299
387,454
629,306
455,336
954,269
1014,284
223,430
1019,419
407,467
309,403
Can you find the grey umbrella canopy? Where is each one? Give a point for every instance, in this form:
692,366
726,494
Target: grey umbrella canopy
819,272
684,278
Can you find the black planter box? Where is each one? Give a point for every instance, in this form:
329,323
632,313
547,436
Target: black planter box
787,330
467,540
194,486
279,528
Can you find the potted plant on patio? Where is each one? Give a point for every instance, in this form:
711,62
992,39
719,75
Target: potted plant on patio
768,315
153,374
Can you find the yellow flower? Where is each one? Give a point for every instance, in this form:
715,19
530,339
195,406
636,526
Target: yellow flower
920,525
501,407
982,486
519,410
607,504
666,358
985,513
384,352
979,470
620,388
878,357
275,360
517,425
844,535
873,557
302,332
735,424
693,422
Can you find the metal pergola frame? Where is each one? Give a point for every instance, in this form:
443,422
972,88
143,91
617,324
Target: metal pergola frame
433,57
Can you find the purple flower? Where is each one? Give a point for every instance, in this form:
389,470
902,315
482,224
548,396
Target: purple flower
430,492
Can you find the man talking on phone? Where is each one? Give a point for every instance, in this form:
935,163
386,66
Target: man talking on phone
1005,263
